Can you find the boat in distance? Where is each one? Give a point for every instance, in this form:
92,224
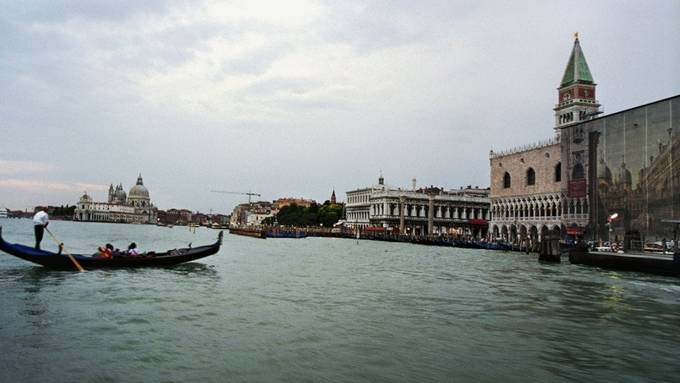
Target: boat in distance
277,233
62,262
248,232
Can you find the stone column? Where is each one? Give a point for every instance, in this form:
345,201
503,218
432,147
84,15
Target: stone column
402,221
430,215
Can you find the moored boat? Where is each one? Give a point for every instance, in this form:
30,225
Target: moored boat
151,259
286,234
466,244
654,264
494,246
248,232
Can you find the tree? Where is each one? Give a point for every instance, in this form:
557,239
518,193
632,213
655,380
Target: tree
294,215
330,213
290,215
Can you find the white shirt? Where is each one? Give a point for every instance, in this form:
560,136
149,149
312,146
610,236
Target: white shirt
40,218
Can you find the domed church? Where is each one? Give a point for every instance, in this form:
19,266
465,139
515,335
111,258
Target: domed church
133,207
139,195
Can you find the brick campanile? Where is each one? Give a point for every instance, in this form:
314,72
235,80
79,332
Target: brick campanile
576,95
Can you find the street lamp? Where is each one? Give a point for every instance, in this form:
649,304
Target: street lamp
609,227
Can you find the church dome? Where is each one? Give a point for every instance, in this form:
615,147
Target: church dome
139,190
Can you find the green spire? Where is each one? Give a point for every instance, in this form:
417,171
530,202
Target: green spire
577,68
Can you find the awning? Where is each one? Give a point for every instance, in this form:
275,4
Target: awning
374,228
575,230
481,222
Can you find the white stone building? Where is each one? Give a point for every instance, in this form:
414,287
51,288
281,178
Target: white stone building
424,211
135,207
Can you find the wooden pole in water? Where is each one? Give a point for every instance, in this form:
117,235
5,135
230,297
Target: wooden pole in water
60,244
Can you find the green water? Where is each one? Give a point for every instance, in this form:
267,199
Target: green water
333,310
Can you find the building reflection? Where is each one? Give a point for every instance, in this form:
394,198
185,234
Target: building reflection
633,170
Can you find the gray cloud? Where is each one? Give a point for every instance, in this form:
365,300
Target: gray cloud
296,98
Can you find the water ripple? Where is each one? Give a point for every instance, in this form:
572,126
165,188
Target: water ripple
331,310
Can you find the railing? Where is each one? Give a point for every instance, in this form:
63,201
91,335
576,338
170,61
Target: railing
552,218
524,148
576,217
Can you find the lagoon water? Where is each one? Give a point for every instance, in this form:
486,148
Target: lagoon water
333,310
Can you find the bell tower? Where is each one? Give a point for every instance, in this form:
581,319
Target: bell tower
576,95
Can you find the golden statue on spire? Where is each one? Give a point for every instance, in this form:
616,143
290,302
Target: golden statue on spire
575,35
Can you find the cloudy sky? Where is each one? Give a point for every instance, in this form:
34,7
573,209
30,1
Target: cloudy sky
296,98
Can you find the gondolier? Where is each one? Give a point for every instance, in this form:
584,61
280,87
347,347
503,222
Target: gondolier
40,222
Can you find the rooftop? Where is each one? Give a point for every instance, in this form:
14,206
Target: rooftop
524,148
577,70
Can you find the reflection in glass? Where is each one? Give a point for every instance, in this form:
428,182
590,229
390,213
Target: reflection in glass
634,171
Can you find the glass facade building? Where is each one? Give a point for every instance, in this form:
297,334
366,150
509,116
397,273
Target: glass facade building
623,175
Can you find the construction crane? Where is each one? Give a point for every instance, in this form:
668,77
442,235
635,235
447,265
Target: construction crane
249,194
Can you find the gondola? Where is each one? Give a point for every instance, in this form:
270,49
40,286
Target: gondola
61,261
466,244
494,246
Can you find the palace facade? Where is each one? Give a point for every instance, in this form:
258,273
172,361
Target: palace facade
528,189
424,211
613,178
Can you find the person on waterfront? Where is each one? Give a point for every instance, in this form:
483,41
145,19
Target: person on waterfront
40,222
133,251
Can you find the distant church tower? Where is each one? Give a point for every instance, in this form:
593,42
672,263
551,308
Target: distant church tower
333,197
111,194
576,100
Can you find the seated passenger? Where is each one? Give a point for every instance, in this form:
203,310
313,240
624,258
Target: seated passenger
105,252
133,251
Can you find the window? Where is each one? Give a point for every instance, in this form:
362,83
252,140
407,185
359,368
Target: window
558,172
506,180
577,173
531,177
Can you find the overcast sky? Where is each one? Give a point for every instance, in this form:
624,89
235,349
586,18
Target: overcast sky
295,98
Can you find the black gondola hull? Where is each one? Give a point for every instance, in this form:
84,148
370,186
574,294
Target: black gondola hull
62,262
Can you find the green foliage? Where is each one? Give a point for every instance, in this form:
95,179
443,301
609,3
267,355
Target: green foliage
330,213
290,215
294,215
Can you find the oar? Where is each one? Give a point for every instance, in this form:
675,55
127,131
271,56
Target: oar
60,244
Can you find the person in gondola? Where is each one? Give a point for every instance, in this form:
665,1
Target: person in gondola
133,251
40,222
106,251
